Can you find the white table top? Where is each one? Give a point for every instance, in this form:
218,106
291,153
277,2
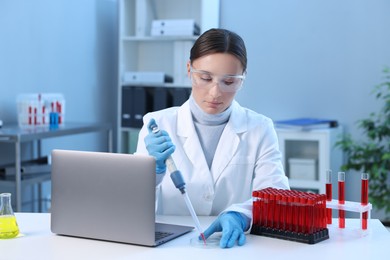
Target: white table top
37,242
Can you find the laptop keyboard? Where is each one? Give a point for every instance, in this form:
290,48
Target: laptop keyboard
160,235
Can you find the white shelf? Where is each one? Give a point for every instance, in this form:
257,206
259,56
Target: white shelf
139,51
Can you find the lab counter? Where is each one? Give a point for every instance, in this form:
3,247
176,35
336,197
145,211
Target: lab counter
37,242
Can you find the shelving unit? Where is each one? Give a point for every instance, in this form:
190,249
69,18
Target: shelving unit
317,146
139,51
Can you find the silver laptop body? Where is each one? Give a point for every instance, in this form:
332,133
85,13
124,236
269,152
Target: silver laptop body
107,196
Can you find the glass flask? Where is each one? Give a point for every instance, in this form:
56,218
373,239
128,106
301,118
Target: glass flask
8,225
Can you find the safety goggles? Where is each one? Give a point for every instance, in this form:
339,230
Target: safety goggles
226,83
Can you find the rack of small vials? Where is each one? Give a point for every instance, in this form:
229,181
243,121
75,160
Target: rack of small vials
36,110
290,214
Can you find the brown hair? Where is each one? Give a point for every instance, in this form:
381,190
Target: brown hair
219,41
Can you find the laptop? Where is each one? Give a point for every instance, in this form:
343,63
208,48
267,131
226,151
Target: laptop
107,196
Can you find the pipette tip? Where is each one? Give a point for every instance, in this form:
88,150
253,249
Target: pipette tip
203,237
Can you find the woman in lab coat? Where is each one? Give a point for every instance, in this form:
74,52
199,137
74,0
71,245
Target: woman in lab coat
223,150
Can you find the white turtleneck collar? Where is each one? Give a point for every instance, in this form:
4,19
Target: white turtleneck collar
208,119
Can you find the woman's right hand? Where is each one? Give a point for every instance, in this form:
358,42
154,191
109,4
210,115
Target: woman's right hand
159,145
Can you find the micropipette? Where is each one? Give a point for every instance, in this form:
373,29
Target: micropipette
178,180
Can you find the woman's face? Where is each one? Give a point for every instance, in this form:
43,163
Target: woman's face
207,91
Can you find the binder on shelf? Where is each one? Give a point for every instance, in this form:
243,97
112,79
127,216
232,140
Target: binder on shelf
138,77
306,124
161,99
142,22
180,95
174,32
141,105
136,102
175,27
127,111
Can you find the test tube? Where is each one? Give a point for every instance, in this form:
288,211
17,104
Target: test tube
256,202
364,198
296,213
341,190
35,116
265,210
30,115
271,209
310,215
289,209
328,187
283,211
302,215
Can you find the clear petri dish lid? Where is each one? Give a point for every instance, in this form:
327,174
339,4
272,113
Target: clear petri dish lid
211,242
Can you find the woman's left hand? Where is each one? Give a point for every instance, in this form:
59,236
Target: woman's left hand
232,226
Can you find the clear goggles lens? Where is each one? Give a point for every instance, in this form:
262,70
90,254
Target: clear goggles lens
226,83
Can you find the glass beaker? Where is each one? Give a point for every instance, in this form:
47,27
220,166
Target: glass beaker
8,225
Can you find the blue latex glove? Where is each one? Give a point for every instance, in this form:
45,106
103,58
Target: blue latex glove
232,225
160,146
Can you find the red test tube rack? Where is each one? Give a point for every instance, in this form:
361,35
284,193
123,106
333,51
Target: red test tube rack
290,215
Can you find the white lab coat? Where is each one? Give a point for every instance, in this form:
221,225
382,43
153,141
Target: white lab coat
247,158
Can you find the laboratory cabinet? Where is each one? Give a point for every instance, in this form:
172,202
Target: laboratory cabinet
307,155
153,67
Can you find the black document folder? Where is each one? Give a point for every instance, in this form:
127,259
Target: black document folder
180,95
136,102
161,98
127,111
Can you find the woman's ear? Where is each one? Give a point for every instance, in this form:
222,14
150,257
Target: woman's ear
188,68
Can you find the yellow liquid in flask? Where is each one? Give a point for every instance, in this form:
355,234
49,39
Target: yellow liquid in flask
8,227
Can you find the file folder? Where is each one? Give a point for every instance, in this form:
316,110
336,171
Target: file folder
136,102
180,95
161,98
127,111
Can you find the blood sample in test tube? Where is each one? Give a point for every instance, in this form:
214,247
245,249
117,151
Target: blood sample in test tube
260,203
59,110
30,115
271,210
310,217
283,211
324,217
364,198
256,209
289,215
35,116
43,115
277,211
302,214
296,213
341,190
265,209
329,195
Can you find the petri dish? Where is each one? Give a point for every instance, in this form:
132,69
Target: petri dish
211,242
